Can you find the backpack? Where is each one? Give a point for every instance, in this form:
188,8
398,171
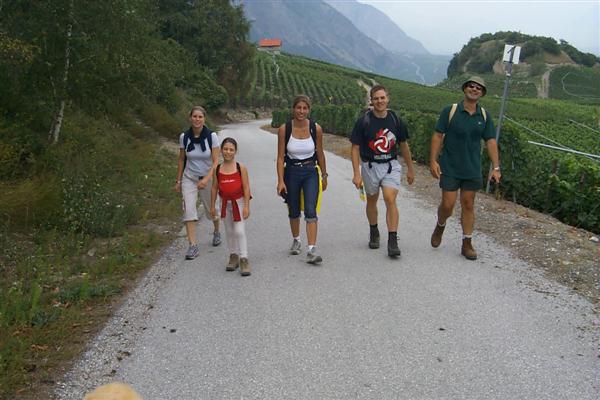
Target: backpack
312,127
453,111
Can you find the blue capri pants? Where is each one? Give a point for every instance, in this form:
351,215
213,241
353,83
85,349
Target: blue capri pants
306,178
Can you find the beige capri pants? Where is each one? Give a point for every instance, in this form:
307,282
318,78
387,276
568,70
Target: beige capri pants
191,194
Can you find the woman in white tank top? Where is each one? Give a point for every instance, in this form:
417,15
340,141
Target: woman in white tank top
299,151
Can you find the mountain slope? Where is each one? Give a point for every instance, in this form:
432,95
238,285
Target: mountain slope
378,26
319,31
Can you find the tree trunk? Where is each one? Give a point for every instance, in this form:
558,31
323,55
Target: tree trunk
54,133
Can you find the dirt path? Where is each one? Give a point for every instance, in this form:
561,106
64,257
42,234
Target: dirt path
544,85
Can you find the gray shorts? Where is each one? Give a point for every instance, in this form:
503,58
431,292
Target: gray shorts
377,175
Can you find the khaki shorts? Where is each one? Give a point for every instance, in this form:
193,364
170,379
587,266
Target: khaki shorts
377,175
190,194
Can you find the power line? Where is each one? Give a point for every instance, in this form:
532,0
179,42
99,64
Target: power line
593,156
583,125
559,146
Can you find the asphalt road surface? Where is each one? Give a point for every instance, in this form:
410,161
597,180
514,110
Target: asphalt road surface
429,325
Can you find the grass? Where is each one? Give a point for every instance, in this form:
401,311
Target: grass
72,251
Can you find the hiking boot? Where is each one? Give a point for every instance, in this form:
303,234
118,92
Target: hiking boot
467,250
216,238
296,247
393,249
312,257
192,252
374,238
436,236
234,262
244,267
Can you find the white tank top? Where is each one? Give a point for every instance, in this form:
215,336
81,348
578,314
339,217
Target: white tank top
300,149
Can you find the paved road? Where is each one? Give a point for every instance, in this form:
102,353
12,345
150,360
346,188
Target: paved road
430,325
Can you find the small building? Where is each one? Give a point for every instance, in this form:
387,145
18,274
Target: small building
271,45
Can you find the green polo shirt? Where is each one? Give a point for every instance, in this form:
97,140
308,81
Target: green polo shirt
461,152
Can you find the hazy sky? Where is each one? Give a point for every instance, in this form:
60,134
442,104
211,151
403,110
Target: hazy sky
444,26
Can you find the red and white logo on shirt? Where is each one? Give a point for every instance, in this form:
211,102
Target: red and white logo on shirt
384,142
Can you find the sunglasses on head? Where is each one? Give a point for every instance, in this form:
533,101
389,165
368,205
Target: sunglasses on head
475,86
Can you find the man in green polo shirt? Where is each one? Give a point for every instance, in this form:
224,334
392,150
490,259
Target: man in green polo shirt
460,129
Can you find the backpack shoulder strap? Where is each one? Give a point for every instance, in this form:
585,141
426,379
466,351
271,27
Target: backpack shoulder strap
484,114
312,127
288,132
396,119
366,120
452,112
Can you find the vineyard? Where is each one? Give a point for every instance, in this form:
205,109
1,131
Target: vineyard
578,84
277,78
564,185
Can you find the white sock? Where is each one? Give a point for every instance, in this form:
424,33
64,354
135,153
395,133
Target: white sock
297,238
310,247
467,236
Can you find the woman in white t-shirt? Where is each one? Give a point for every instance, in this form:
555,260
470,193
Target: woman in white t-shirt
198,158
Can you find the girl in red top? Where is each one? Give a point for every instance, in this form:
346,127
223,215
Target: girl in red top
230,181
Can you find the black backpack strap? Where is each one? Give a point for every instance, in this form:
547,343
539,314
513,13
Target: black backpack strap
366,120
396,120
312,127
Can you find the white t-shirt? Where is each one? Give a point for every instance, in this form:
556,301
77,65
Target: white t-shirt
198,162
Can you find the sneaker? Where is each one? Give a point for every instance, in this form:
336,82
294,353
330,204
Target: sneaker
244,267
467,250
312,257
374,239
192,252
393,249
296,247
436,236
234,262
216,238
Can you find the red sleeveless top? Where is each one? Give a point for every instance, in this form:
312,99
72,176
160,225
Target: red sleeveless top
230,189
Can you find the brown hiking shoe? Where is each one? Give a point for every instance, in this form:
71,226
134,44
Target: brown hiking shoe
467,250
436,236
244,267
234,262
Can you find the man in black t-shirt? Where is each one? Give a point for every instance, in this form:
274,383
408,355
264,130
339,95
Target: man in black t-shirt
374,161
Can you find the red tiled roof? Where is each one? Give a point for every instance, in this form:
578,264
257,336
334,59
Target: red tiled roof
269,42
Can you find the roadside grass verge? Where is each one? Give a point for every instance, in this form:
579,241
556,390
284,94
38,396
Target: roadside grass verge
74,238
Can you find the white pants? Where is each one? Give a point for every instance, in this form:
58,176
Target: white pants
235,230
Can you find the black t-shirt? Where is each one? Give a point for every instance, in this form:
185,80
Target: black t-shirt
379,142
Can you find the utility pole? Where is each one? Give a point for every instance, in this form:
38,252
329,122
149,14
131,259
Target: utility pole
510,57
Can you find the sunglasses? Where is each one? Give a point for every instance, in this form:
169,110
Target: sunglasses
475,86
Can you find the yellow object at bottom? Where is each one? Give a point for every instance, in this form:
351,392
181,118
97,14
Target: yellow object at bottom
318,196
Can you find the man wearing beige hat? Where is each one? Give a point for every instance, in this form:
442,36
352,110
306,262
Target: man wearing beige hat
457,135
